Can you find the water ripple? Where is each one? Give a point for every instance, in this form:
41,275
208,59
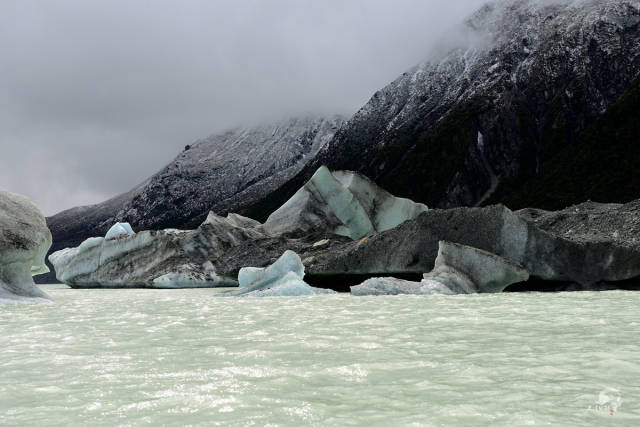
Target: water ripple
181,357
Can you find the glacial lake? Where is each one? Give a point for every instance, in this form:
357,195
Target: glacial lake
188,357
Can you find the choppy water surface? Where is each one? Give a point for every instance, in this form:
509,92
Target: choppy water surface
106,357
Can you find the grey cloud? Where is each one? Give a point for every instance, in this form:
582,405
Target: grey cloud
97,95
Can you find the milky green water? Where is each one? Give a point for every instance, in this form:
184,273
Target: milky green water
187,357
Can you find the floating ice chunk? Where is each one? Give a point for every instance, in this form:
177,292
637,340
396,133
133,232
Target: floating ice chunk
282,278
249,275
262,277
393,286
290,282
472,270
119,229
62,258
289,286
458,269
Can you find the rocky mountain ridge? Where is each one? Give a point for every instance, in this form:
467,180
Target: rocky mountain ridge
219,173
473,125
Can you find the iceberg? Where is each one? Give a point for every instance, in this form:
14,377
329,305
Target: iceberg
24,242
458,269
288,286
321,221
343,203
119,229
393,286
470,270
282,278
288,263
155,259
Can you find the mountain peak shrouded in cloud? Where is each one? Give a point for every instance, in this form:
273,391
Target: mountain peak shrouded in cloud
479,123
100,95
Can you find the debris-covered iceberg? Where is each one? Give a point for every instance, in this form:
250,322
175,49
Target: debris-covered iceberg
155,259
24,242
458,269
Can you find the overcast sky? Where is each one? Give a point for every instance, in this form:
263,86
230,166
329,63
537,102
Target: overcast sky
95,96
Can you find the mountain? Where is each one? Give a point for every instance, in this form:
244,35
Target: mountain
219,173
533,103
510,109
602,163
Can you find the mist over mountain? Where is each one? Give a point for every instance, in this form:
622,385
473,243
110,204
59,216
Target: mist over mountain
483,119
105,93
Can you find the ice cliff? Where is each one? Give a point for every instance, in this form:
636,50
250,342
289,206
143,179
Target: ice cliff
24,242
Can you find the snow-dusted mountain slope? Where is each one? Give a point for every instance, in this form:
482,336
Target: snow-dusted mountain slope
219,173
513,86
